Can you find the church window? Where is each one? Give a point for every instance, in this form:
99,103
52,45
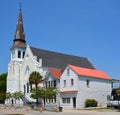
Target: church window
23,54
19,54
27,87
24,89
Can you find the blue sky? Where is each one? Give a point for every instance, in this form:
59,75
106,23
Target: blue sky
87,28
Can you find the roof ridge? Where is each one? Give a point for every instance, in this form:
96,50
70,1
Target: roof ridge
59,52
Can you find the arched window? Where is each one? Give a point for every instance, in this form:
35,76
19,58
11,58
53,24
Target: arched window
27,87
23,54
24,89
19,54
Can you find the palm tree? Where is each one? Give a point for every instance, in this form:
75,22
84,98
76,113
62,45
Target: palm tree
8,96
18,95
35,78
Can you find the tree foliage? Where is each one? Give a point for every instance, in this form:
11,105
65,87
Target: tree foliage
3,80
18,95
118,91
8,95
2,96
50,92
35,78
44,93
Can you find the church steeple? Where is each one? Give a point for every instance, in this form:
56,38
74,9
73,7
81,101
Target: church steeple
19,37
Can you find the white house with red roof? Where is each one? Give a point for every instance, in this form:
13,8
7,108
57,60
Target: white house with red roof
78,84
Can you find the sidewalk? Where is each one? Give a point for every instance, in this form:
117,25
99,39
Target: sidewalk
93,112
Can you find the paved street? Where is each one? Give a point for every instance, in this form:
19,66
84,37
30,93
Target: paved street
13,111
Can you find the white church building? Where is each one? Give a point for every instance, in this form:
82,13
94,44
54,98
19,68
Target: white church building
75,77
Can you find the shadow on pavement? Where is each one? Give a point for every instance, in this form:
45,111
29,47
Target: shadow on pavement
14,114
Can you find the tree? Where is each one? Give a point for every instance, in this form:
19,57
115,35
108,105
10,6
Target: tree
44,93
2,96
35,78
3,78
36,93
8,95
18,95
50,92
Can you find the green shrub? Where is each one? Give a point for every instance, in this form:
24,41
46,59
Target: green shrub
91,103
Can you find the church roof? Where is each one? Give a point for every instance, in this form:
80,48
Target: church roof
59,60
90,72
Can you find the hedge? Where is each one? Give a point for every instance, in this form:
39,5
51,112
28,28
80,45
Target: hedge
91,103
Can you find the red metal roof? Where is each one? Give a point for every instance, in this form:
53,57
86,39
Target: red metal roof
55,72
90,72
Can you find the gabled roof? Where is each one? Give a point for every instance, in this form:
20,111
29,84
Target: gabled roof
56,72
59,60
90,72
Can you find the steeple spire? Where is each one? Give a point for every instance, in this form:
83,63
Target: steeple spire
19,38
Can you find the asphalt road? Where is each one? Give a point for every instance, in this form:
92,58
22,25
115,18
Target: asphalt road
25,111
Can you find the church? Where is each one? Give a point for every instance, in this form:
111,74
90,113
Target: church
75,77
